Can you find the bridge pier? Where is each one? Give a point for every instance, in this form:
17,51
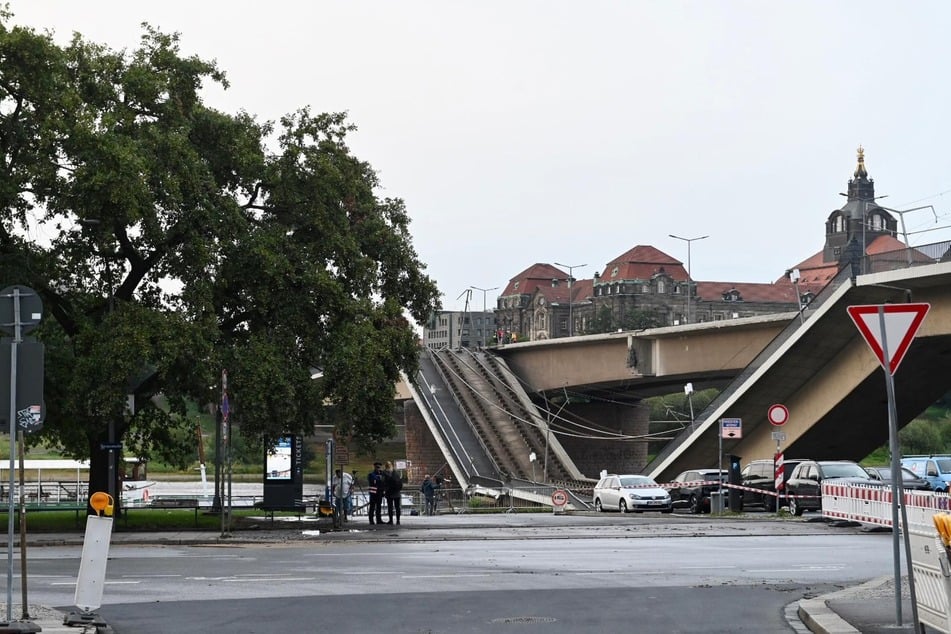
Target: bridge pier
616,455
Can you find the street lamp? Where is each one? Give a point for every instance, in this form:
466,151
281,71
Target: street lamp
689,280
794,278
484,291
571,269
688,390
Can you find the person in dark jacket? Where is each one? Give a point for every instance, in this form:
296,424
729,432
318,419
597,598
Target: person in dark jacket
376,488
428,488
394,486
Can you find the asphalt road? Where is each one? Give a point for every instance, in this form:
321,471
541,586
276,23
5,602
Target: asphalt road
677,575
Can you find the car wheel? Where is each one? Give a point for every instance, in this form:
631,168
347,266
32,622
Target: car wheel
622,506
794,507
695,504
597,506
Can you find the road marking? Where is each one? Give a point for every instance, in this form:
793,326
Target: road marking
447,576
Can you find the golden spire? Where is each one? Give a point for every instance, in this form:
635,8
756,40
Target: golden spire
860,169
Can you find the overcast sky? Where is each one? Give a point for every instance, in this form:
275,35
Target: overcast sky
556,131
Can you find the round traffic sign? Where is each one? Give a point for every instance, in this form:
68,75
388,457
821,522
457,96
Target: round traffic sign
778,414
559,497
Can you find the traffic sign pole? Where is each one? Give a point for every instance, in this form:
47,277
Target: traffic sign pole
898,494
889,330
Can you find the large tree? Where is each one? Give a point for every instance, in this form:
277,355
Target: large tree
169,240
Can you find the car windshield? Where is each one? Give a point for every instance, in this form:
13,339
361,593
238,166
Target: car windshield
843,470
637,481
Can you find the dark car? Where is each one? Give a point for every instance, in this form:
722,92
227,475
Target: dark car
761,474
804,486
692,488
909,481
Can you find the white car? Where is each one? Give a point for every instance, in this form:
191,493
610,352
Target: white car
631,493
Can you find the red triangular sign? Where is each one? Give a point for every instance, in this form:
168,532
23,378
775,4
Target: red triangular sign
901,324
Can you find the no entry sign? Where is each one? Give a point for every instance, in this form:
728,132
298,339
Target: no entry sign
777,414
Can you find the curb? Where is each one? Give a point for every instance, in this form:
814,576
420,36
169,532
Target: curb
821,619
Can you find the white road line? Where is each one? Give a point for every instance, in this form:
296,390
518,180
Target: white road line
446,576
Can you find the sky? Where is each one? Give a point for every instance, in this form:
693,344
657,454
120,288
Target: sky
566,132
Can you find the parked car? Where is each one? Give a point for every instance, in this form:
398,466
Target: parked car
935,469
807,478
909,481
630,493
692,488
761,474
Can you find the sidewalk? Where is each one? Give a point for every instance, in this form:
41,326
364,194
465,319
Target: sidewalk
868,608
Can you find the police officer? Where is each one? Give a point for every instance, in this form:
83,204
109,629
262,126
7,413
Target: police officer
377,489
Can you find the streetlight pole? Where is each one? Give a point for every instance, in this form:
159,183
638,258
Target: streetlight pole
794,278
688,390
689,279
484,291
571,269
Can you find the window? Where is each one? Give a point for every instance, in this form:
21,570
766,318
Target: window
676,289
614,272
645,288
661,287
836,252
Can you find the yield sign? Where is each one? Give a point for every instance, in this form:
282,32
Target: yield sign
901,324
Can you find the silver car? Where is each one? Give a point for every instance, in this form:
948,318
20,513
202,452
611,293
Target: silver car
631,493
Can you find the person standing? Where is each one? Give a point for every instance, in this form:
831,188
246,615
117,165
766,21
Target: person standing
394,488
429,494
343,489
376,488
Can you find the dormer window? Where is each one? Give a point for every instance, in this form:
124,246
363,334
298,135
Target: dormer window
732,295
516,285
614,271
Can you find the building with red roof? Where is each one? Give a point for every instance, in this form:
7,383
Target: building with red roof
645,287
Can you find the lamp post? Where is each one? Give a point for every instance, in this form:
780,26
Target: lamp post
484,291
689,279
571,269
794,278
688,390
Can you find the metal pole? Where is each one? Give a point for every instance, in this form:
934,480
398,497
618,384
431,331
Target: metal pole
25,612
12,413
571,275
719,471
897,484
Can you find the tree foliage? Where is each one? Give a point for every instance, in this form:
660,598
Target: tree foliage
605,320
169,240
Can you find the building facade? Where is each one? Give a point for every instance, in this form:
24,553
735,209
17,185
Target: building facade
460,329
645,287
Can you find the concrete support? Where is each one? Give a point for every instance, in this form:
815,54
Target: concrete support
628,419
